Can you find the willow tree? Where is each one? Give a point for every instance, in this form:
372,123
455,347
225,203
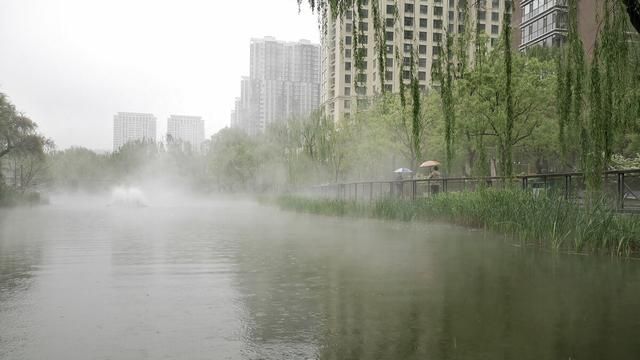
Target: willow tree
443,74
612,107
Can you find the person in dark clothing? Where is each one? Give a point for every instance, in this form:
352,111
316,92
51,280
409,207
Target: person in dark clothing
434,185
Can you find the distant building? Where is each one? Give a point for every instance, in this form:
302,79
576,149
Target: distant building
186,130
283,82
409,26
128,127
546,23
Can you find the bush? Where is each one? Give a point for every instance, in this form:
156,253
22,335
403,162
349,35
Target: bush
546,220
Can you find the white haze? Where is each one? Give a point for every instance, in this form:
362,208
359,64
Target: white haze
72,64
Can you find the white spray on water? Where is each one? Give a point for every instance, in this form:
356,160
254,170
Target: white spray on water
127,197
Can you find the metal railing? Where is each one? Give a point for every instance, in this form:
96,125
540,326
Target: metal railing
621,187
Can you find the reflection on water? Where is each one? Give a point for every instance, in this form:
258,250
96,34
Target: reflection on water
234,280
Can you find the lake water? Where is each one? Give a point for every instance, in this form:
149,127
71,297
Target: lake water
223,279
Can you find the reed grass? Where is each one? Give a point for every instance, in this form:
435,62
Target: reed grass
545,220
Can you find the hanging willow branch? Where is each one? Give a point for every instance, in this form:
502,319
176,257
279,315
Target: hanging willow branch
506,153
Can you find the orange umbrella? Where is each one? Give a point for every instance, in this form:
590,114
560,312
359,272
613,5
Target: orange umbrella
430,163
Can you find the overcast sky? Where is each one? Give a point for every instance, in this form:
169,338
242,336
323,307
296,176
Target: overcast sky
72,64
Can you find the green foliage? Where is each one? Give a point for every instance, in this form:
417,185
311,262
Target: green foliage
18,133
482,100
602,124
79,168
545,220
233,160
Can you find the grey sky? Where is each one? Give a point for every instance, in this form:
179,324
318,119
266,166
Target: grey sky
72,64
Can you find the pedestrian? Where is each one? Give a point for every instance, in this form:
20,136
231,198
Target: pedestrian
434,185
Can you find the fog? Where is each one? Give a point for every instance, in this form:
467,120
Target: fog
72,64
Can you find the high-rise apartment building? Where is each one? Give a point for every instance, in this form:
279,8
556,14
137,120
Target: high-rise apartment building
545,23
128,127
410,26
542,23
186,130
283,82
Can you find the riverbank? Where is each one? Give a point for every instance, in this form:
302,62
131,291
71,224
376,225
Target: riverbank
546,221
11,198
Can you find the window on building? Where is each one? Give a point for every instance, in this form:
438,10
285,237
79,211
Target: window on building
481,27
391,9
495,16
348,15
422,75
495,4
408,47
388,36
494,42
436,50
423,35
494,29
437,11
347,91
363,39
347,53
348,27
406,61
389,62
388,75
364,26
408,35
437,24
390,22
347,65
482,15
347,40
389,49
461,28
388,87
406,74
450,28
437,37
364,13
408,8
424,9
452,3
451,15
362,78
422,62
422,49
423,23
408,21
347,104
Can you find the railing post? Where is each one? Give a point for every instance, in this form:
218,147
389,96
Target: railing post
355,194
567,186
413,189
444,185
620,190
371,192
525,181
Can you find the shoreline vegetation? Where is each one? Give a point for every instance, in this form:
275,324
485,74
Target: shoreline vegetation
545,221
13,198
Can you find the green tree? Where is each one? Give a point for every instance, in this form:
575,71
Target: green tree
232,160
18,133
483,103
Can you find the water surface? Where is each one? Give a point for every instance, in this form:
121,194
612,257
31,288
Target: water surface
225,279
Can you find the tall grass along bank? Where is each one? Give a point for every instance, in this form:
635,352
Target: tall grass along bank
547,221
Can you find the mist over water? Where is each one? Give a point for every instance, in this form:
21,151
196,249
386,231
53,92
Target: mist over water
189,277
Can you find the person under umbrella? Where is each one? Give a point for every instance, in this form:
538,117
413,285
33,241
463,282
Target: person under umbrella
435,174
